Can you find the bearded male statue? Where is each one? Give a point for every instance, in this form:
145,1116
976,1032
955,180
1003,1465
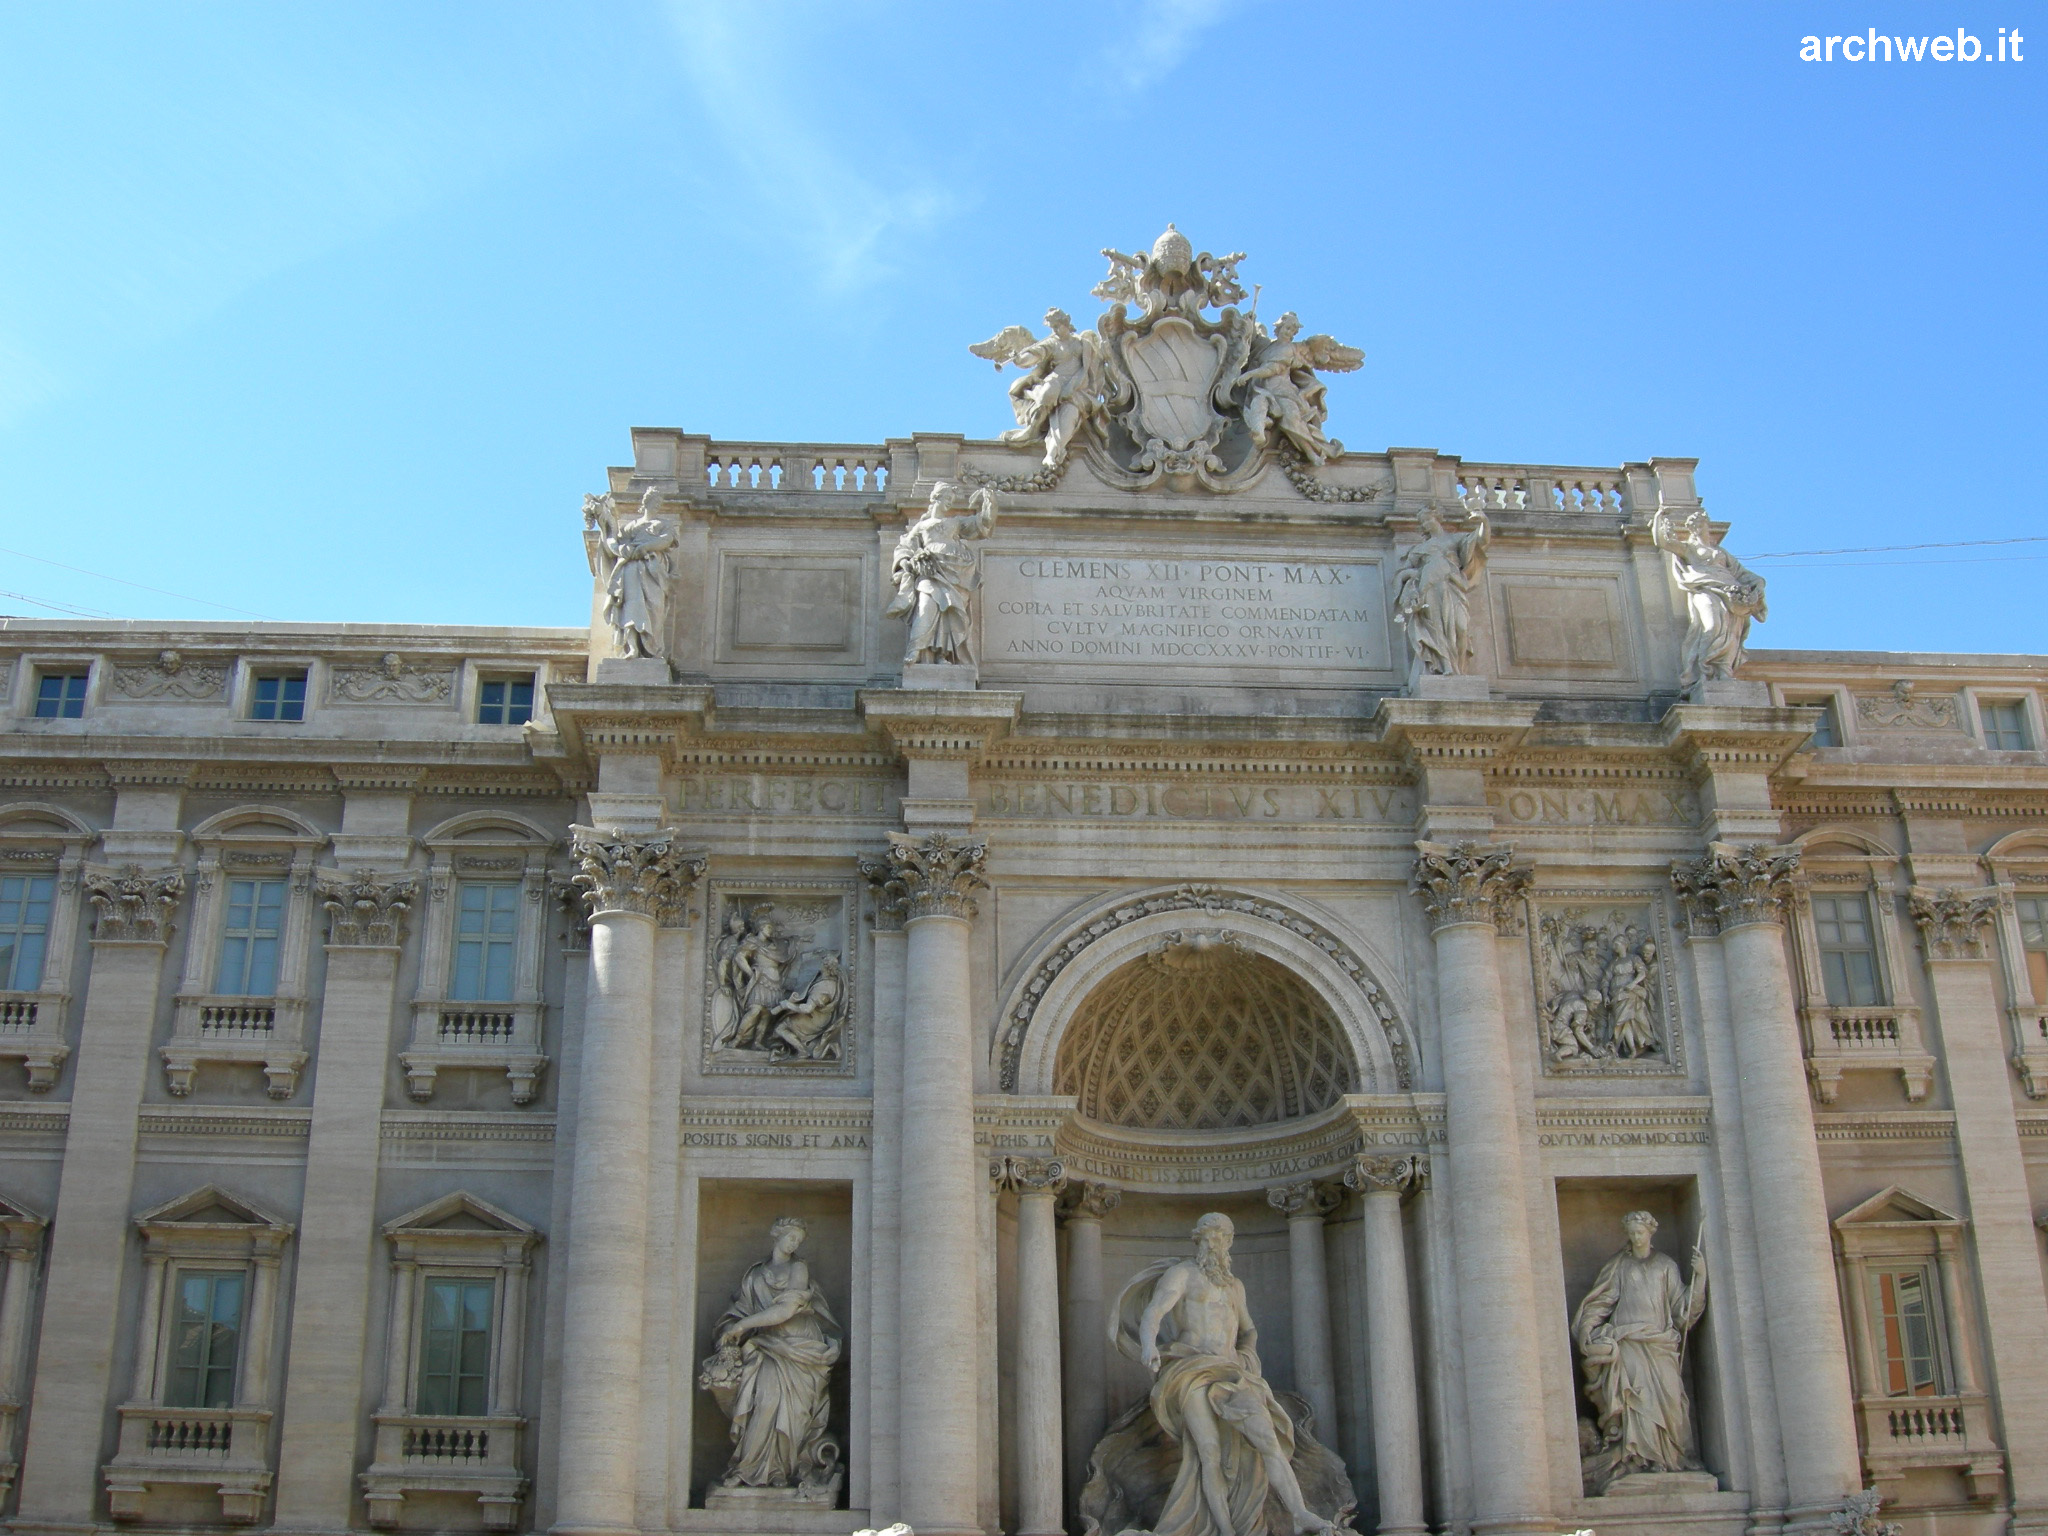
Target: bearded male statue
1211,1451
1631,1332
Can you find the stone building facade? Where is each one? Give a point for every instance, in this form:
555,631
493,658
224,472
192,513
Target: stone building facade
995,856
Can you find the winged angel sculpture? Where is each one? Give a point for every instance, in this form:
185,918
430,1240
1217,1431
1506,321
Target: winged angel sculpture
1168,393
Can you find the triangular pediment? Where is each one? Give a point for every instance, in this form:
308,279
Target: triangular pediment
460,1212
1893,1206
13,1210
209,1206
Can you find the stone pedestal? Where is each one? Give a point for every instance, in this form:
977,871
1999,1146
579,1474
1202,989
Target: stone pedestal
639,671
1433,686
1731,693
939,674
763,1504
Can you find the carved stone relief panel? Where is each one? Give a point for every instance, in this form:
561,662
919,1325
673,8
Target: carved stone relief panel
779,979
171,677
1906,709
390,679
1606,998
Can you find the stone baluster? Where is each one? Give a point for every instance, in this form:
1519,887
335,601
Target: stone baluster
1037,1182
1954,926
1084,1353
1390,1341
83,1312
1306,1204
1743,891
632,884
933,877
1471,892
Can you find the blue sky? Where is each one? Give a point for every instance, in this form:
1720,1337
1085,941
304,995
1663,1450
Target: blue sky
333,312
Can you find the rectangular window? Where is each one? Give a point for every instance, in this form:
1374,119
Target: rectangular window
61,695
1905,1320
206,1335
486,930
24,928
455,1347
504,701
2005,725
1848,958
248,941
1825,733
278,696
2034,942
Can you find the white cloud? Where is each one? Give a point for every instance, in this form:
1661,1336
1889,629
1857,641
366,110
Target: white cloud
1162,34
742,62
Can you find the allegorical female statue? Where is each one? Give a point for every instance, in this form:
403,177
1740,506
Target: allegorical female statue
936,573
1433,596
1722,595
777,1344
1212,1451
1631,1332
633,560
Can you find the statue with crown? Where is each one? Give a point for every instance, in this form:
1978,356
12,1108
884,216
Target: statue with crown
1159,393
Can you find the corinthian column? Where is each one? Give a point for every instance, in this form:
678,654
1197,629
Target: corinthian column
82,1308
1037,1181
1470,891
1743,892
1390,1342
633,885
933,877
1306,1204
1953,928
1084,1358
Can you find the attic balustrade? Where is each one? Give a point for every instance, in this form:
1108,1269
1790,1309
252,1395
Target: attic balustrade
798,468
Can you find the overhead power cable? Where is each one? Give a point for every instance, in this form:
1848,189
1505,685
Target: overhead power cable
1892,549
76,613
124,581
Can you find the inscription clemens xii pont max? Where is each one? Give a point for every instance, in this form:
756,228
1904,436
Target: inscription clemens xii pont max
1327,615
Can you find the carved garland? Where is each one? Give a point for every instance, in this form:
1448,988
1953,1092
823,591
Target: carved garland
1952,923
1296,469
1045,478
1202,898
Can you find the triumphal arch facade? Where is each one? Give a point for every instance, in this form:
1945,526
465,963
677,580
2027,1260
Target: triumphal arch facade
1155,974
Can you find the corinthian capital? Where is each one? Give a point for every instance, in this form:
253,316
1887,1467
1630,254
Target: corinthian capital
625,872
1028,1175
930,876
365,912
1952,923
132,905
1469,883
1395,1175
1090,1201
1309,1197
1732,886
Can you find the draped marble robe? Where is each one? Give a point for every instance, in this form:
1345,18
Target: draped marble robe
774,1382
1631,1330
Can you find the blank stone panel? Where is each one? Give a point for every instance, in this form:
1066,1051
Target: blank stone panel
1561,628
790,609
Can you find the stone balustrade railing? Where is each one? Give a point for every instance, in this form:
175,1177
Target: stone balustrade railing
1543,488
798,468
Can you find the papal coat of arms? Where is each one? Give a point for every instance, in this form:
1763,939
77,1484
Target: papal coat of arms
1167,394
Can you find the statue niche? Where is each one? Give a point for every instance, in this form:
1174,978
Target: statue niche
1203,1034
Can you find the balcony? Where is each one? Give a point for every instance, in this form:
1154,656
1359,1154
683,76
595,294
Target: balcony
493,1036
1905,1434
32,1032
266,1031
224,1448
419,1453
1880,1037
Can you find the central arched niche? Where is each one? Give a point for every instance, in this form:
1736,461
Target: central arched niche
1203,1034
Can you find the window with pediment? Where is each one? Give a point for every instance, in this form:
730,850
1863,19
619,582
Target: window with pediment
479,1002
199,1409
42,850
1208,1038
242,997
